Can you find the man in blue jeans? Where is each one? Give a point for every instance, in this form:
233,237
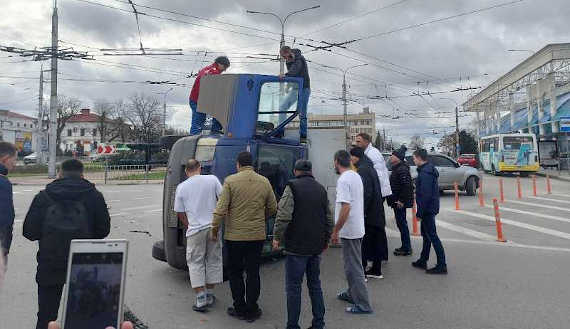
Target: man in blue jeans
304,224
221,64
297,67
401,198
427,199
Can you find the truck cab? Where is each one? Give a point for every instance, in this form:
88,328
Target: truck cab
254,111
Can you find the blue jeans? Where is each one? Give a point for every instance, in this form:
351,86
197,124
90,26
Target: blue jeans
400,214
295,268
289,100
430,238
198,120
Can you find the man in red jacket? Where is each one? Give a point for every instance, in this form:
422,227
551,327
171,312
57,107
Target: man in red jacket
220,65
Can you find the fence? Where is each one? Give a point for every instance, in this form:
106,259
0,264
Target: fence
117,173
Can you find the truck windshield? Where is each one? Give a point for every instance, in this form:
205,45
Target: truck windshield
277,101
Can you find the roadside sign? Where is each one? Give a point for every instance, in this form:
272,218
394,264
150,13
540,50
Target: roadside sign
565,124
105,149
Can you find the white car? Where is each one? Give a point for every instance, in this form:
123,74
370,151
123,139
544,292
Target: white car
31,158
450,171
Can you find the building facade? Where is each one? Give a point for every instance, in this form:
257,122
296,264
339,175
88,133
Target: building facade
364,122
534,97
82,132
18,129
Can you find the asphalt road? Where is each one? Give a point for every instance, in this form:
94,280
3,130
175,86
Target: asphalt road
522,283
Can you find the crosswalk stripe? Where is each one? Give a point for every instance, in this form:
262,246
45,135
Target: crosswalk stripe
538,205
522,212
515,223
464,230
562,195
547,199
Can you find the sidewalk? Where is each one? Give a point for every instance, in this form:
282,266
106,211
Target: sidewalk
563,175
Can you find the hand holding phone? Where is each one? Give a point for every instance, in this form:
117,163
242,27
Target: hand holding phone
95,284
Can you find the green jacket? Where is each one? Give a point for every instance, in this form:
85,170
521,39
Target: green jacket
247,200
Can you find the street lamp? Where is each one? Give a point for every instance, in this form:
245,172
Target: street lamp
457,146
282,21
522,50
344,100
164,109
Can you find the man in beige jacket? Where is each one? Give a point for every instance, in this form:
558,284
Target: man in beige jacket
247,200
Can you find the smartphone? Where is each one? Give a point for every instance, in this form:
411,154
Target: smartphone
95,284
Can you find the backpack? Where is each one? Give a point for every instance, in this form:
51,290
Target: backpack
64,221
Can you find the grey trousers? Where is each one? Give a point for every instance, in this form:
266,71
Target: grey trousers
204,258
352,256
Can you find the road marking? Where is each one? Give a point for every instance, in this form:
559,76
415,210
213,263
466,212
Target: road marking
515,223
142,198
522,212
117,214
396,234
547,199
562,195
538,205
14,192
466,231
137,208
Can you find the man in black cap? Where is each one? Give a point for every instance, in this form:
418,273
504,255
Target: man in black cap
221,64
401,198
304,223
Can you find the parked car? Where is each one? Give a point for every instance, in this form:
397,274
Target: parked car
470,160
31,158
450,171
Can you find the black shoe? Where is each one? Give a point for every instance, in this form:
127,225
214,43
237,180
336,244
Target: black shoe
403,252
420,264
438,269
303,140
373,274
234,313
251,317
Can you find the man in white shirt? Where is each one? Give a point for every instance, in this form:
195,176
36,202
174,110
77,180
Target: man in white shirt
195,202
364,141
349,213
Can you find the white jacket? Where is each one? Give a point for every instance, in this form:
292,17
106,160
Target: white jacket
380,166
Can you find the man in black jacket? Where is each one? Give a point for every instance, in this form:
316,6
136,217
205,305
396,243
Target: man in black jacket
401,198
427,198
304,223
8,156
297,67
70,193
374,243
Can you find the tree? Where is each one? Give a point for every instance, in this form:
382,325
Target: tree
111,122
67,107
144,114
467,143
417,142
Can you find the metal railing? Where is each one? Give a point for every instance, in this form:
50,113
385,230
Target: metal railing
114,173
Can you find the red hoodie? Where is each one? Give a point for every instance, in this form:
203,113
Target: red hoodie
210,69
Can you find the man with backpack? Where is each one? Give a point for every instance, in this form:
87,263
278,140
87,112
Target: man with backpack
69,208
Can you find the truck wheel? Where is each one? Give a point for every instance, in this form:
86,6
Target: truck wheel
493,170
523,174
158,251
471,186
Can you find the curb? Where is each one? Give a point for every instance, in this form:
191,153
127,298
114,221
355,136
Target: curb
557,177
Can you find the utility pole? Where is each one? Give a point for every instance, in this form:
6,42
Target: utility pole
164,111
40,124
53,95
457,146
345,103
384,139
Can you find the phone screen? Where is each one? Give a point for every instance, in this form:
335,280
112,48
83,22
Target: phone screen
94,290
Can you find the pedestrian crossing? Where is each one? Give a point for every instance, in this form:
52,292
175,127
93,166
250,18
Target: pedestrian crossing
540,222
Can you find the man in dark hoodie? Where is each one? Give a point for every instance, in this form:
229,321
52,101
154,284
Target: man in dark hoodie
374,243
401,198
427,199
8,156
297,67
50,222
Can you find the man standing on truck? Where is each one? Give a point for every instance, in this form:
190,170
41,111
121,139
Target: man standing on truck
221,64
297,67
304,223
247,200
364,141
195,202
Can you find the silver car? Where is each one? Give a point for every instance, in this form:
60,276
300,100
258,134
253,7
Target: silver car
450,171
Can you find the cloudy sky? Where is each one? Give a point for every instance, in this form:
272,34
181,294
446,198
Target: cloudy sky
426,47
